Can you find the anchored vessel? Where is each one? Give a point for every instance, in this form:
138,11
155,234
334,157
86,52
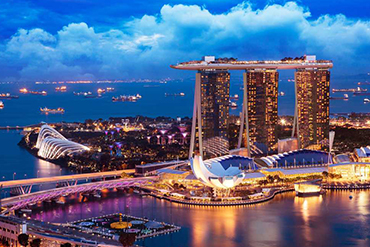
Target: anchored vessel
129,98
8,96
52,111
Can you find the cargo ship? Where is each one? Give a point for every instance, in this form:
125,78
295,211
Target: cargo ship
233,105
128,98
174,94
61,89
349,90
345,97
8,96
82,93
234,97
308,188
52,111
38,92
23,90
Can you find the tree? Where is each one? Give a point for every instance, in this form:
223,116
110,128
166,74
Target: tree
325,174
36,242
23,239
269,179
127,239
66,245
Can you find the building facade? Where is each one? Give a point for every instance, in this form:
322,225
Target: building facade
312,92
215,97
262,93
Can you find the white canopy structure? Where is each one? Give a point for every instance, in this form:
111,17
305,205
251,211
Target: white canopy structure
223,172
53,145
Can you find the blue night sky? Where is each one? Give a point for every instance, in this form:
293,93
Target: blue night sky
114,39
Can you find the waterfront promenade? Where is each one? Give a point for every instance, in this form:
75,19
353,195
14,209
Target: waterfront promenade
271,194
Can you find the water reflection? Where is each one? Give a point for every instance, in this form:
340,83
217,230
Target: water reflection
328,220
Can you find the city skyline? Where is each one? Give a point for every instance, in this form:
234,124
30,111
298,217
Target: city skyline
141,43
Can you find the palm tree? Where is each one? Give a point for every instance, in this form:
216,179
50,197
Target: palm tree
127,239
23,239
36,242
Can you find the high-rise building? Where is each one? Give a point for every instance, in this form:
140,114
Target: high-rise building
215,95
312,92
262,94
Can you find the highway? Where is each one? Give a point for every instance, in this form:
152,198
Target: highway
65,178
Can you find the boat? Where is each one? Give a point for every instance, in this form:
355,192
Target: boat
281,93
100,91
82,93
1,105
124,98
352,90
233,104
97,195
46,110
60,202
308,188
8,96
174,94
92,96
61,89
110,89
234,97
361,93
366,100
43,93
345,97
23,90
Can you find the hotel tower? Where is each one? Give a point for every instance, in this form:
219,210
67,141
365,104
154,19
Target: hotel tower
312,107
214,101
262,98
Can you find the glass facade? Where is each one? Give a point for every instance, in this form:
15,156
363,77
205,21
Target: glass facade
313,89
215,97
262,94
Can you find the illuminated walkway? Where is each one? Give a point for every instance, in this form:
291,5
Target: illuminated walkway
17,202
67,178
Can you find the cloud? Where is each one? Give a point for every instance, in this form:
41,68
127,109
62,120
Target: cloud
144,47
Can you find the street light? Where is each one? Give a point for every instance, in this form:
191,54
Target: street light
14,175
38,173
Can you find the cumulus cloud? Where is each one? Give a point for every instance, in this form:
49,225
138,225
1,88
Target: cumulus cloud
144,47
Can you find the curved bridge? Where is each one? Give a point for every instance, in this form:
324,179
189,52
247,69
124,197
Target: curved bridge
17,202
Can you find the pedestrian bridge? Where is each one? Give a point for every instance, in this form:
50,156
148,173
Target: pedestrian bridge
24,186
18,202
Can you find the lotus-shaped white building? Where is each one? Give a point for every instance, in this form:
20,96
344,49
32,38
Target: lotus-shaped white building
53,145
223,172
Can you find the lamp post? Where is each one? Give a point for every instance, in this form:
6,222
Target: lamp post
14,175
37,173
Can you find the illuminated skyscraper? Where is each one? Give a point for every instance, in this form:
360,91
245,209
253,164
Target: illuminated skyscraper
215,91
262,93
312,99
